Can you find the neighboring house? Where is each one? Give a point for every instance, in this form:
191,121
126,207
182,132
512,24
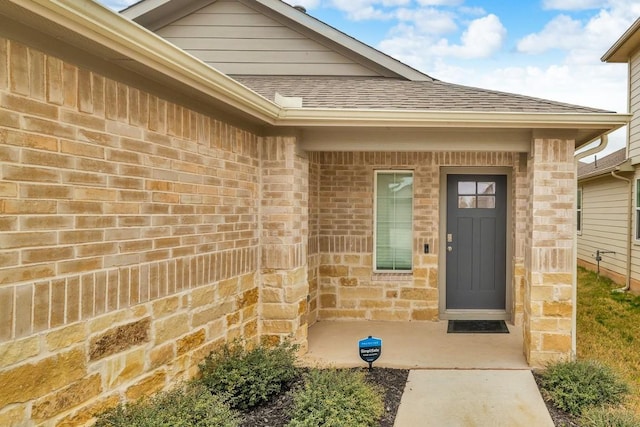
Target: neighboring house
153,207
611,204
603,205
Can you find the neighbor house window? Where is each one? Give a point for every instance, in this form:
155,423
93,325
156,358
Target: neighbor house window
637,209
579,211
394,220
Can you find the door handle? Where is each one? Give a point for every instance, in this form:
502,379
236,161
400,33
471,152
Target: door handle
449,248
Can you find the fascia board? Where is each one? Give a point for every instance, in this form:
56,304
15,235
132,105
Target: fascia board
622,48
99,24
470,119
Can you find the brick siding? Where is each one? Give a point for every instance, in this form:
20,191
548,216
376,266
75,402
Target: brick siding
129,242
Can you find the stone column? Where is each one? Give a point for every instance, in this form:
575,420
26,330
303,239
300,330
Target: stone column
283,241
549,262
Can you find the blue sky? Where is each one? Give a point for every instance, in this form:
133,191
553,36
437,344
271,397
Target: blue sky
544,48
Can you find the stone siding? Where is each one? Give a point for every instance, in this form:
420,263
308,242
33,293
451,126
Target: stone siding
549,258
129,243
284,241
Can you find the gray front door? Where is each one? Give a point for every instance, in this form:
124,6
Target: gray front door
476,242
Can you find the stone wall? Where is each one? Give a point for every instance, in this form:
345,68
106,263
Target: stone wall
284,241
349,288
129,242
549,256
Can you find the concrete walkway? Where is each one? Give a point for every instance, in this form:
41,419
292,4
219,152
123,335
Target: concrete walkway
456,380
472,398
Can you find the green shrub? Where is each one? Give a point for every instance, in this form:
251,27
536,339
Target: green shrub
607,417
336,398
185,406
575,386
249,377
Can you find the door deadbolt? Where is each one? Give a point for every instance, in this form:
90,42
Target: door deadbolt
449,238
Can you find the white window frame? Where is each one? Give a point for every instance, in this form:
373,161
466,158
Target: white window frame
579,211
375,219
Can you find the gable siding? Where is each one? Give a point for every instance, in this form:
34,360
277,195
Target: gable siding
238,40
604,226
634,106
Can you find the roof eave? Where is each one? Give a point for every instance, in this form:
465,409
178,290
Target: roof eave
624,166
430,118
622,48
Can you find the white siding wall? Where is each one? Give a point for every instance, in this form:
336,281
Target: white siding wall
635,248
634,153
634,104
604,207
236,39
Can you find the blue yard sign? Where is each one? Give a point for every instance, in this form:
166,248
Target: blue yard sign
370,349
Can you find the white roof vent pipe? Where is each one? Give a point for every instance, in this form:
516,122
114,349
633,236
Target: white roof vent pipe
300,8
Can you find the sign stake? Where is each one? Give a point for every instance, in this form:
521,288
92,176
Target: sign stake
370,350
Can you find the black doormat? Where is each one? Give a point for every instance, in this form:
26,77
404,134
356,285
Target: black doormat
477,327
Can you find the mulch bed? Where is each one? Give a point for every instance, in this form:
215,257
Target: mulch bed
277,412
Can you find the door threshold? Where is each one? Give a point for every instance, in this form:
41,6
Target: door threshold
475,315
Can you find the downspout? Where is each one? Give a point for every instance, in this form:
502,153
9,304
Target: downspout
627,285
604,140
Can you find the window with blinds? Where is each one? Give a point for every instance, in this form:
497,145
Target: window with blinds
393,220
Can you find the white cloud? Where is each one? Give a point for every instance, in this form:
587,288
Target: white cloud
580,39
562,32
572,4
483,37
414,45
467,10
427,20
307,4
440,2
360,10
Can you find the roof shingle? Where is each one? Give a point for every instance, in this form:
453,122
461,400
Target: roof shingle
602,166
398,94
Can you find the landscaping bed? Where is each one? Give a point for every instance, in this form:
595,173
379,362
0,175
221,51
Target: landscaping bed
242,386
277,412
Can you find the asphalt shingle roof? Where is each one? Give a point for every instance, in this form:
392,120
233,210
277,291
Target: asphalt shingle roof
603,165
398,94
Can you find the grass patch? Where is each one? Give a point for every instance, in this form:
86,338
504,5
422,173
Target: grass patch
608,329
608,417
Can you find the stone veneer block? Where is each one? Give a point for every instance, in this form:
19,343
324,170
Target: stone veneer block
119,339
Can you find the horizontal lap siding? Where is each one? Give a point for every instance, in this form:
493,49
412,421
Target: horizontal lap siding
604,224
236,39
634,104
635,249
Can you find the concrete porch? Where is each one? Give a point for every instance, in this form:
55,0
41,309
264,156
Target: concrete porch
414,345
